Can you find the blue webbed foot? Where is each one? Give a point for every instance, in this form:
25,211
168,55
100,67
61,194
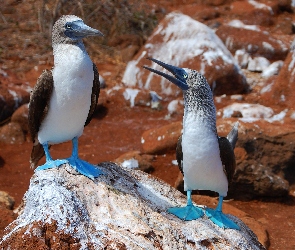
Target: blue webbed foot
189,212
84,168
51,164
219,218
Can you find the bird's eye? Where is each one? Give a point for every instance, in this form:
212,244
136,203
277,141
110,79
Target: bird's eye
68,26
185,76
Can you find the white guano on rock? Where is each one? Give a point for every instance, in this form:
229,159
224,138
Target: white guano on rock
122,207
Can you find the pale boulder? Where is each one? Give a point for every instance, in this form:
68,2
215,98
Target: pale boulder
122,209
182,41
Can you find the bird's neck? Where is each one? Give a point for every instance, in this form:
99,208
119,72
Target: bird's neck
200,110
67,52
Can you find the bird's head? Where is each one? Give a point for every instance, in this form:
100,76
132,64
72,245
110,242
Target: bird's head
183,78
70,28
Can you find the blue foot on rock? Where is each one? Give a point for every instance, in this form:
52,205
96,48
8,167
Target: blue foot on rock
220,219
190,212
84,168
51,164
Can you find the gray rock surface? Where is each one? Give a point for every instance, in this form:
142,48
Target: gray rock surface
122,209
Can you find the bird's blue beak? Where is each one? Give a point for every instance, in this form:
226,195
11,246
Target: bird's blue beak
179,73
78,30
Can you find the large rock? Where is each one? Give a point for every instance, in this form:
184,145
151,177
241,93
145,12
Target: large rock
254,12
12,133
20,116
182,41
120,210
163,139
12,95
265,158
254,42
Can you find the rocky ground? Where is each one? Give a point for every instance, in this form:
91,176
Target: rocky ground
252,83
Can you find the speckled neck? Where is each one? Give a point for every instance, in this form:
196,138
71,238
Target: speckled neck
199,103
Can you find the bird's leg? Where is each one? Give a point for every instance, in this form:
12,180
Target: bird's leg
75,148
47,154
189,198
50,163
189,212
81,166
219,218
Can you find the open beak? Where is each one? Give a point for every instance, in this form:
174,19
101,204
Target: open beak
179,73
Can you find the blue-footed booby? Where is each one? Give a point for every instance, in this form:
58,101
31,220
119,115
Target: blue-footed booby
65,97
206,160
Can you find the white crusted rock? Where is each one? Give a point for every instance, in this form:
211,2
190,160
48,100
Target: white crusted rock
182,41
122,209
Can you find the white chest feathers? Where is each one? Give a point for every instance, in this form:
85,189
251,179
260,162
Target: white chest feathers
202,165
71,98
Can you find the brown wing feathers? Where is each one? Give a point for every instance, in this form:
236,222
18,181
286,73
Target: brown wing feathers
179,154
38,105
94,94
227,157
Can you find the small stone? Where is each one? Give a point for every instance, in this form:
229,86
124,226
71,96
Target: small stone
136,160
258,64
6,200
242,58
272,69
